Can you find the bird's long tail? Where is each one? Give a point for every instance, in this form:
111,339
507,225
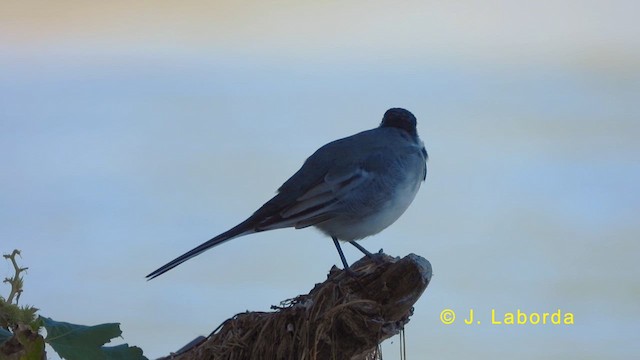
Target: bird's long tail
241,229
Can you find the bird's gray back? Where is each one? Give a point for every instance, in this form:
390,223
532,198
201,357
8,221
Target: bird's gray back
371,160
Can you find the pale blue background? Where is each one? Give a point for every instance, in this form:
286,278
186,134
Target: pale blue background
130,133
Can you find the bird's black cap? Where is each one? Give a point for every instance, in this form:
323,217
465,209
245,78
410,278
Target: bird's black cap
400,118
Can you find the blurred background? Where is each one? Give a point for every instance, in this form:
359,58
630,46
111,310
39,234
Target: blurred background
131,132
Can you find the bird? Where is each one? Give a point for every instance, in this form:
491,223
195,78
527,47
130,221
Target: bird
348,189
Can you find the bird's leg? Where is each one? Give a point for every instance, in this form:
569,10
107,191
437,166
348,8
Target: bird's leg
344,260
366,252
359,247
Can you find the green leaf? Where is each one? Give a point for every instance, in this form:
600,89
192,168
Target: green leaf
123,352
4,335
79,342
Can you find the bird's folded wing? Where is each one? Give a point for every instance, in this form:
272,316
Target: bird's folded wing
317,204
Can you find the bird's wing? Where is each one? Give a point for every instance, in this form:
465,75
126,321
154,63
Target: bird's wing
316,205
310,195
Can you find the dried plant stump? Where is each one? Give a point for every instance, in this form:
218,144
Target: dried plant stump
345,317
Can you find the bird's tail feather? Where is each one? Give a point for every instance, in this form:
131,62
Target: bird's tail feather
239,230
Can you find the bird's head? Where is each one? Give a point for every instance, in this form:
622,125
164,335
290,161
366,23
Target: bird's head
401,119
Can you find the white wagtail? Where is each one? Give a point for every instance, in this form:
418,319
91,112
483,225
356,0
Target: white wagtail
349,189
